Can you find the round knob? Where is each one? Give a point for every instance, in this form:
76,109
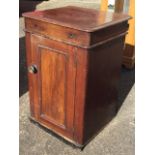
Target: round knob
32,69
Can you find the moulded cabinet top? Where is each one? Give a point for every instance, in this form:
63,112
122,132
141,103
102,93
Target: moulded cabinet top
83,19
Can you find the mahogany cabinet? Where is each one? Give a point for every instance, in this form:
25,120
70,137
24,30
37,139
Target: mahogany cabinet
74,59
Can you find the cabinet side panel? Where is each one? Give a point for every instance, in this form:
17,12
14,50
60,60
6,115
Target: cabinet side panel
102,85
109,32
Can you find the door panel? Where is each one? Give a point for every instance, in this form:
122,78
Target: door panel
53,66
56,84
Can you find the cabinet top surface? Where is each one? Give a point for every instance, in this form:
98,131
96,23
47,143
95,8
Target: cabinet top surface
83,19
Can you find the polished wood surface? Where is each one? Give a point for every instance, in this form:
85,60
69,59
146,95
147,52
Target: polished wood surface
73,85
119,5
102,85
129,56
72,36
54,84
129,52
54,95
130,38
58,32
86,19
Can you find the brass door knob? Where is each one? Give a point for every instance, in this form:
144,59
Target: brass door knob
32,69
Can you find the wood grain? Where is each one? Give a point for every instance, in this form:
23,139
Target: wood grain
78,61
53,82
78,18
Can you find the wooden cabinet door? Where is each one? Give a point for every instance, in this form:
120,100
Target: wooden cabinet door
54,84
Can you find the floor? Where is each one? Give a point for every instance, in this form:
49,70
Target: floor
117,138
